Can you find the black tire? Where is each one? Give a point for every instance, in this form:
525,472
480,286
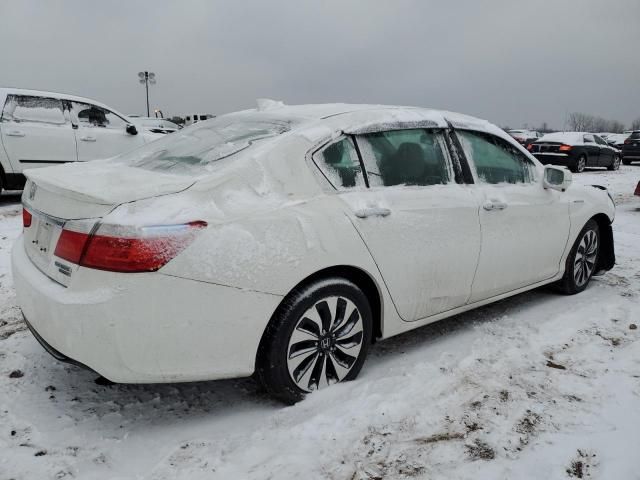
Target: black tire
274,352
615,163
572,282
626,162
580,165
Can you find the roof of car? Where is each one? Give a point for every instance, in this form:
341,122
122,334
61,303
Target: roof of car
44,93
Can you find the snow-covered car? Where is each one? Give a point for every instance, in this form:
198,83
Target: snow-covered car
39,129
156,125
282,241
576,150
525,137
616,140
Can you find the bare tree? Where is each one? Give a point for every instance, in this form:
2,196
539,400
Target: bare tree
580,122
635,125
583,122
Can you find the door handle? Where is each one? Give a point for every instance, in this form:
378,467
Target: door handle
15,133
88,139
494,205
372,212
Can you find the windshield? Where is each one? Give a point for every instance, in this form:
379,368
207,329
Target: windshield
194,149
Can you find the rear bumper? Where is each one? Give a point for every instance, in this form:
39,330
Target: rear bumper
143,328
632,153
555,159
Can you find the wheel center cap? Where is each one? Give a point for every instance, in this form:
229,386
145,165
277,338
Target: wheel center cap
326,343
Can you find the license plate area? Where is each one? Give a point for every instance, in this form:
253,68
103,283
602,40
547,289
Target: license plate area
40,241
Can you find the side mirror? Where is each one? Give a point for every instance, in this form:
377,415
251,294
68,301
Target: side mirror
131,129
556,178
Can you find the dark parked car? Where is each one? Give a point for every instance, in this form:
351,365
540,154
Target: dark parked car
576,150
631,148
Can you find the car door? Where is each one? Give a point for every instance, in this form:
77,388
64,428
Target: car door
36,132
100,133
592,150
420,227
605,156
525,227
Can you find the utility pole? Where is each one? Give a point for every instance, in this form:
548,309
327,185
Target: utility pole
147,78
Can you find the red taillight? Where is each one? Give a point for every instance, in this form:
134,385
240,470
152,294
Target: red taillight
71,245
637,192
530,147
627,141
564,148
26,218
146,250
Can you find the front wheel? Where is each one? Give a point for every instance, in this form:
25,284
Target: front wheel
582,260
615,164
319,336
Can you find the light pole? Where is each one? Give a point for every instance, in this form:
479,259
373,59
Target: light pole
147,78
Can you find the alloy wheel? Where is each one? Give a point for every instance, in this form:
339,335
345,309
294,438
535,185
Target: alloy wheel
585,260
582,163
325,343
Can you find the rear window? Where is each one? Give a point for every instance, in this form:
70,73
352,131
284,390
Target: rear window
195,149
635,135
571,138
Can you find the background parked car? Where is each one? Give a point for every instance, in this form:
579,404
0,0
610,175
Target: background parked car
525,137
576,150
157,125
617,139
631,148
41,129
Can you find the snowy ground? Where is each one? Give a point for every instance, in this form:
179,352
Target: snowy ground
539,386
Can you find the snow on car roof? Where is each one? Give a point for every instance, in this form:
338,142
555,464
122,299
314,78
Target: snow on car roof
570,138
64,96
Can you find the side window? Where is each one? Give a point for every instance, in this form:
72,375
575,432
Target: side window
340,164
496,160
599,140
26,108
405,157
89,115
588,139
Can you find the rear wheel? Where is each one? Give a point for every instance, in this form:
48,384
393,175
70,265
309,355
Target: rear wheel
615,164
319,336
581,164
582,260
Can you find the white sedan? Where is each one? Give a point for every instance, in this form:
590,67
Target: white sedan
282,241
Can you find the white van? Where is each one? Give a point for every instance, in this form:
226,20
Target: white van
39,129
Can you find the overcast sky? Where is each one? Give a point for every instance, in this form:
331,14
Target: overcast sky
512,62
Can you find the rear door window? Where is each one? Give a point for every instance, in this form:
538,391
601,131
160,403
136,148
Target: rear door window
405,157
28,108
588,139
340,164
599,140
496,160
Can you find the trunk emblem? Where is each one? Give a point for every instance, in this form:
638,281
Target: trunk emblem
32,191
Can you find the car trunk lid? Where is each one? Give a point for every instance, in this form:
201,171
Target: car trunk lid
58,197
545,147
